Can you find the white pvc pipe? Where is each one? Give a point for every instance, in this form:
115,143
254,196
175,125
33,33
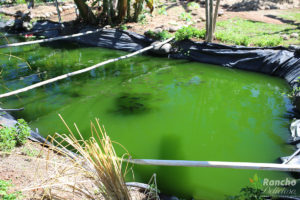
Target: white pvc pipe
49,39
25,89
218,164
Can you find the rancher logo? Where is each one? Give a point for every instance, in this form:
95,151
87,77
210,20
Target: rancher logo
275,187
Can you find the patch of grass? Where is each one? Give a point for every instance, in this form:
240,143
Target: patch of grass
30,152
188,33
245,32
4,191
163,35
293,16
14,136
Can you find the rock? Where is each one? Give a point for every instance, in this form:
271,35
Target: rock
267,7
285,37
202,17
194,13
294,35
162,49
220,12
65,7
47,15
10,23
173,29
198,20
27,26
107,27
157,30
55,12
60,9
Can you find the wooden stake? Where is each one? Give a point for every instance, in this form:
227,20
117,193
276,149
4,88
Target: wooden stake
25,89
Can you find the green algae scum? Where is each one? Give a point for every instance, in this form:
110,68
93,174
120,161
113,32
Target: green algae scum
159,109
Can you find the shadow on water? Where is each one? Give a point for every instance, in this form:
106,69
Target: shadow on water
171,149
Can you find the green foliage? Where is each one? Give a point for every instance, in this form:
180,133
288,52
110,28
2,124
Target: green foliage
162,11
290,15
193,5
185,16
30,152
245,32
14,136
248,193
188,33
294,92
5,195
123,27
158,36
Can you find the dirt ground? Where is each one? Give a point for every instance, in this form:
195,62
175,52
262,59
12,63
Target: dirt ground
251,10
33,168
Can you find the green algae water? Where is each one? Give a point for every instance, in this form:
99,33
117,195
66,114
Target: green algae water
159,109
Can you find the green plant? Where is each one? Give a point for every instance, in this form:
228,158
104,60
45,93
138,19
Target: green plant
98,161
162,11
185,16
163,35
5,195
123,27
248,193
296,90
14,136
188,33
193,5
30,152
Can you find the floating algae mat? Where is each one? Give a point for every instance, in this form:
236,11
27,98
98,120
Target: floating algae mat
159,109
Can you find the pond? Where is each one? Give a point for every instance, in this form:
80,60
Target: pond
158,109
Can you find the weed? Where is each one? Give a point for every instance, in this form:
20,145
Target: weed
123,27
162,11
185,16
193,5
163,35
14,136
98,161
248,193
5,195
188,33
30,152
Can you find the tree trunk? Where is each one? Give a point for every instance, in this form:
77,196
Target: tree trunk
122,8
207,19
210,27
128,10
215,16
84,11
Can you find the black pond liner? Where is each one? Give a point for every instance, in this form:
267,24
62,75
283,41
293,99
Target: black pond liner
275,61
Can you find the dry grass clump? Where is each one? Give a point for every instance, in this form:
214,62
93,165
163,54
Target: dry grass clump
96,160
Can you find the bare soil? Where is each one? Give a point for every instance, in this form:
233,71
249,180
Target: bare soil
31,168
262,12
